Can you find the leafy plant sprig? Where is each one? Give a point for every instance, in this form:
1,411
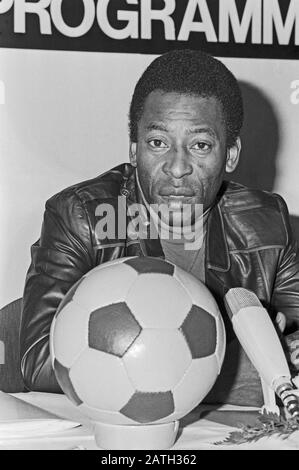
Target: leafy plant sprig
267,424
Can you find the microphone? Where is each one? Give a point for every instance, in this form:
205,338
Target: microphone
259,339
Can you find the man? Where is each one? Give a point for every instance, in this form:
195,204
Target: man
185,118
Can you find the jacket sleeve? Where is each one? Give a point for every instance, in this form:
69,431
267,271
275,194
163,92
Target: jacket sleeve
61,257
285,297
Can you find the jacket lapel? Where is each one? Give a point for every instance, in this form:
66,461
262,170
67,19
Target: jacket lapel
149,246
217,256
218,264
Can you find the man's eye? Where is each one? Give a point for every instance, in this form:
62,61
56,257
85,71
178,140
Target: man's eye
202,146
157,144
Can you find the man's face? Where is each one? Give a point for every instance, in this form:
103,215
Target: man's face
181,152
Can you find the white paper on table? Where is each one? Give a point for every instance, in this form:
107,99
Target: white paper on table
21,419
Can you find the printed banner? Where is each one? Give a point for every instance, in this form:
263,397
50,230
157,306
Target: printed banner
227,28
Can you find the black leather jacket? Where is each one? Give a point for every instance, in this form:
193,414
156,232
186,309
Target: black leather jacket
249,243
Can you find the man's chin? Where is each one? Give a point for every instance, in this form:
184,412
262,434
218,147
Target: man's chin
178,218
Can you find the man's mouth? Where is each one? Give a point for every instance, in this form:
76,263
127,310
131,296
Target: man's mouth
176,192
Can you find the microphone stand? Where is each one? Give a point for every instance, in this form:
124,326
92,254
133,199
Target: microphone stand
269,405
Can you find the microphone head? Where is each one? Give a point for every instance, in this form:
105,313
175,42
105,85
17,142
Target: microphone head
237,298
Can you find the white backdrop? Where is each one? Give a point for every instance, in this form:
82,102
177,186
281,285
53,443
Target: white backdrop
63,119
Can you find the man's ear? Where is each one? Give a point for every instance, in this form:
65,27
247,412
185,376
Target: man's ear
232,156
133,157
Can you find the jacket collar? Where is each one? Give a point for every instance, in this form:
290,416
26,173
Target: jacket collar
217,257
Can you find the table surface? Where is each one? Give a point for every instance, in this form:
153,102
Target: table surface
195,433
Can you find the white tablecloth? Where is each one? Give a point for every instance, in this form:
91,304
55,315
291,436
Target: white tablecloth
201,434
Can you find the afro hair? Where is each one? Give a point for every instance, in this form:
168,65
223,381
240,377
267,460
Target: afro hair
195,73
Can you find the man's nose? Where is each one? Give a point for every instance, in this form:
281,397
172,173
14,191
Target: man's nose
178,164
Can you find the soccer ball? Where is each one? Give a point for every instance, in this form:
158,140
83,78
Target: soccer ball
137,341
